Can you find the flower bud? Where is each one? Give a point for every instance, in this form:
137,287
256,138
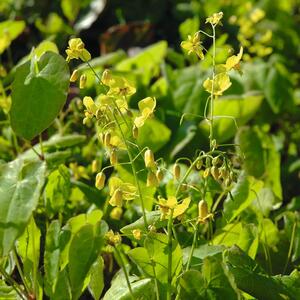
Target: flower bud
95,165
215,160
74,76
100,181
199,164
202,211
215,172
159,175
176,171
113,239
152,228
106,139
116,213
206,173
135,132
82,82
151,179
214,144
106,77
113,157
227,182
224,173
137,234
149,159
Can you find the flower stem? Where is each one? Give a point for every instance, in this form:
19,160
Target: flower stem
170,246
212,89
133,169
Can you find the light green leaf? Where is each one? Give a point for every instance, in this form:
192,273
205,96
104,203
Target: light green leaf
45,84
20,187
154,134
96,284
28,248
230,112
146,63
141,288
9,30
243,193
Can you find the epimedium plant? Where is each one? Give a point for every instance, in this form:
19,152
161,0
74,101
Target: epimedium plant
187,214
118,129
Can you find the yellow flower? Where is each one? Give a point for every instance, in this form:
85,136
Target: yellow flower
90,105
215,18
193,45
233,62
120,87
76,50
221,84
119,191
146,107
166,206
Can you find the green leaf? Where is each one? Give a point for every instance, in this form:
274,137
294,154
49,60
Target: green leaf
153,218
242,195
20,187
9,30
212,283
278,88
84,250
187,91
146,63
200,253
262,160
250,278
45,84
141,288
154,134
96,284
246,236
156,249
52,257
230,112
28,248
70,9
58,190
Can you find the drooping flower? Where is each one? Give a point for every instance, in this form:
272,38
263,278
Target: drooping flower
233,62
119,191
193,45
220,84
146,108
203,214
167,205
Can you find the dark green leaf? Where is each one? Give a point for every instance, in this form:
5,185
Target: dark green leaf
38,93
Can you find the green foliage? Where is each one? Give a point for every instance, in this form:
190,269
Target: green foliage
21,183
45,83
